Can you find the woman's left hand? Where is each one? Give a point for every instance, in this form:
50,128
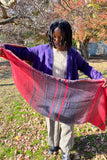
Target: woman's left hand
105,82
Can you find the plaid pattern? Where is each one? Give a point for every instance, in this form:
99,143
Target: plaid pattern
67,101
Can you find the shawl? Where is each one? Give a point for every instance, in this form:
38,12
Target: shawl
66,101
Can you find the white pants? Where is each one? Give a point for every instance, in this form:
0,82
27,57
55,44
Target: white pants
61,136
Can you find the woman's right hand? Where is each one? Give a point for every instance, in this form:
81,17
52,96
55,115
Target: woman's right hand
1,52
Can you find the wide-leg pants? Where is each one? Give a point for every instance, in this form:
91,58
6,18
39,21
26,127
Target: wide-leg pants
60,134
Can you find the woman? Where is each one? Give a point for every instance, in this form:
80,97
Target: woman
59,59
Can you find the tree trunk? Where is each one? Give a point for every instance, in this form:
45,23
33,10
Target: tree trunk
85,50
8,3
79,49
85,46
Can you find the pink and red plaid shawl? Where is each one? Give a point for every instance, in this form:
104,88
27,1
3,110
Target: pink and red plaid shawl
67,101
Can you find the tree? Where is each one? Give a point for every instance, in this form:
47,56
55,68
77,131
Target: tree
87,17
36,11
4,4
31,15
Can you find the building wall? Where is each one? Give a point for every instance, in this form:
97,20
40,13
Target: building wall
97,48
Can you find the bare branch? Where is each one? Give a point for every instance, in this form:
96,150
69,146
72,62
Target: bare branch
9,20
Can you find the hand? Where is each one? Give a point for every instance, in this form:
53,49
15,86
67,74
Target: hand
1,52
105,82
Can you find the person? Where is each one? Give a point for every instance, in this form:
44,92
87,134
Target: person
59,59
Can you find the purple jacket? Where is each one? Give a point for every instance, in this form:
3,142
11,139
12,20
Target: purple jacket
41,57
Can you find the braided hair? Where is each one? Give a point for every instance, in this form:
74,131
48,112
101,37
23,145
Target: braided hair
65,28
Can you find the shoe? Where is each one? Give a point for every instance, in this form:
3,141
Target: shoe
53,149
76,156
66,156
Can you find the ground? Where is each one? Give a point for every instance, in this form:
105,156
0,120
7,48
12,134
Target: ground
23,133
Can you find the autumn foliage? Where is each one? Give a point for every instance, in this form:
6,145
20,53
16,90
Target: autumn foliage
87,17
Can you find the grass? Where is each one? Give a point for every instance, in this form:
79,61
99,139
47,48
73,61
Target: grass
23,132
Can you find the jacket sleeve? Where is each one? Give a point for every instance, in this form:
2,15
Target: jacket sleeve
24,53
87,69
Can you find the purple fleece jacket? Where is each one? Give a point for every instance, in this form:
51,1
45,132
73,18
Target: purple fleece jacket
41,57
